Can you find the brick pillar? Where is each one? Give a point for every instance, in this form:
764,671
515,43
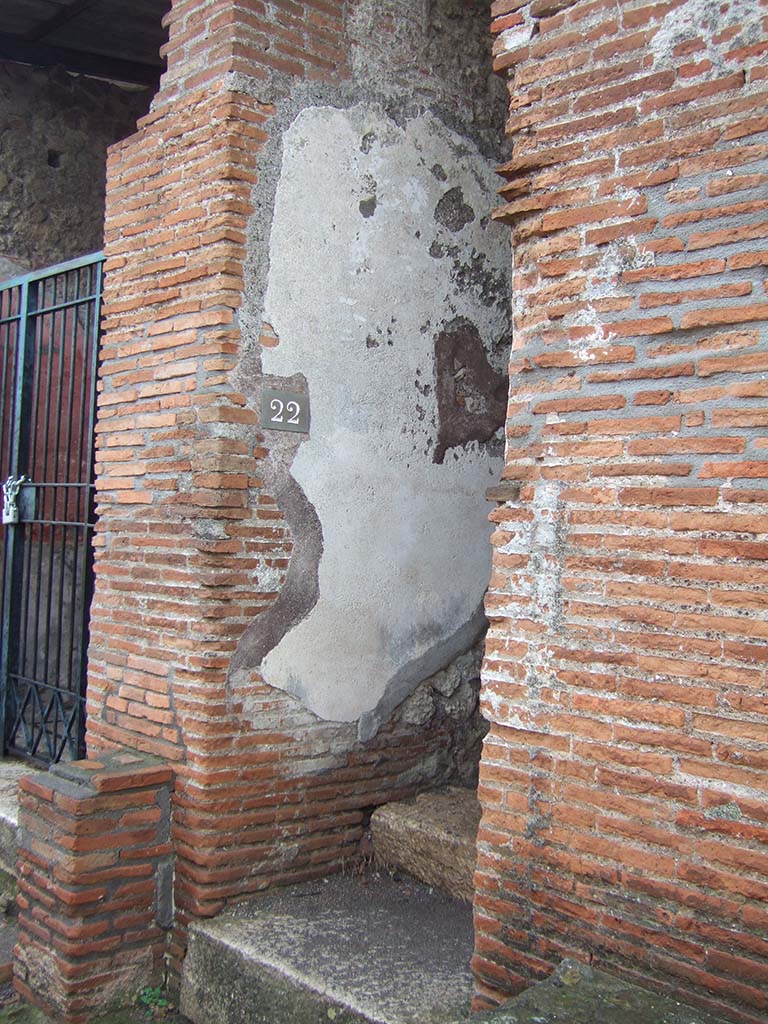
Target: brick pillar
624,777
189,539
95,884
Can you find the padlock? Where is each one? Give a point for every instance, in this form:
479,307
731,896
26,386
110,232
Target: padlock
11,489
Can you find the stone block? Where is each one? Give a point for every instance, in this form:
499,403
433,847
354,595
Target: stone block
432,837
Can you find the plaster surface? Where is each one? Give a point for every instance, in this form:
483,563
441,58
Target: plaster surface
436,52
380,249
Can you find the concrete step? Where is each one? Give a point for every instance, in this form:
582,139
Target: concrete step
364,949
432,837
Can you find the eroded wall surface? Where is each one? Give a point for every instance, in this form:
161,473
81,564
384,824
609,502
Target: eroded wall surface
54,134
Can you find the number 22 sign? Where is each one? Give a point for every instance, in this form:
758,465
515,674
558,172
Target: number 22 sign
284,410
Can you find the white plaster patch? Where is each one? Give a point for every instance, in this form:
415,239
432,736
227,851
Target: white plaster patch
357,301
588,317
705,19
617,257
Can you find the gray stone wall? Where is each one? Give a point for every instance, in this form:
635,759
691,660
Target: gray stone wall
54,132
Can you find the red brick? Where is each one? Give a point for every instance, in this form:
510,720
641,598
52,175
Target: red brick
594,212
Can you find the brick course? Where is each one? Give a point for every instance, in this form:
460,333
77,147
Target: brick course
623,779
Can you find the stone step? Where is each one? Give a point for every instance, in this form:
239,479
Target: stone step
364,949
432,837
10,773
577,994
370,949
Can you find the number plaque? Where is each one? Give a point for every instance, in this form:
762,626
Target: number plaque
284,410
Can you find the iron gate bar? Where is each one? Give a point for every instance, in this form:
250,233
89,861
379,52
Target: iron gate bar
56,307
9,301
11,580
49,333
55,270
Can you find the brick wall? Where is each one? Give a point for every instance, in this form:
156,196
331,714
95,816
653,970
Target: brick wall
185,522
95,884
623,780
300,38
190,543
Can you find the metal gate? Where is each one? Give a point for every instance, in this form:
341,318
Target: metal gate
49,333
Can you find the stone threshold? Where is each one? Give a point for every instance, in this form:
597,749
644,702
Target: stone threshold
366,949
374,949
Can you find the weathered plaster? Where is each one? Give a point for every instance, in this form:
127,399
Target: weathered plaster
443,710
380,247
372,257
436,52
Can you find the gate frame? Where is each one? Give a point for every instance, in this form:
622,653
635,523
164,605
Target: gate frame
29,309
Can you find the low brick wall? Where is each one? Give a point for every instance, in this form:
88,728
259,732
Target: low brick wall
95,883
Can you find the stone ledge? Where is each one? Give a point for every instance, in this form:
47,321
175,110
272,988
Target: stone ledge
115,770
433,838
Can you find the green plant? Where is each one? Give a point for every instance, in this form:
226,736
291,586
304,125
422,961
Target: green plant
154,1002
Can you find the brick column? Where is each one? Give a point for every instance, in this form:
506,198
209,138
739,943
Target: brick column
95,884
